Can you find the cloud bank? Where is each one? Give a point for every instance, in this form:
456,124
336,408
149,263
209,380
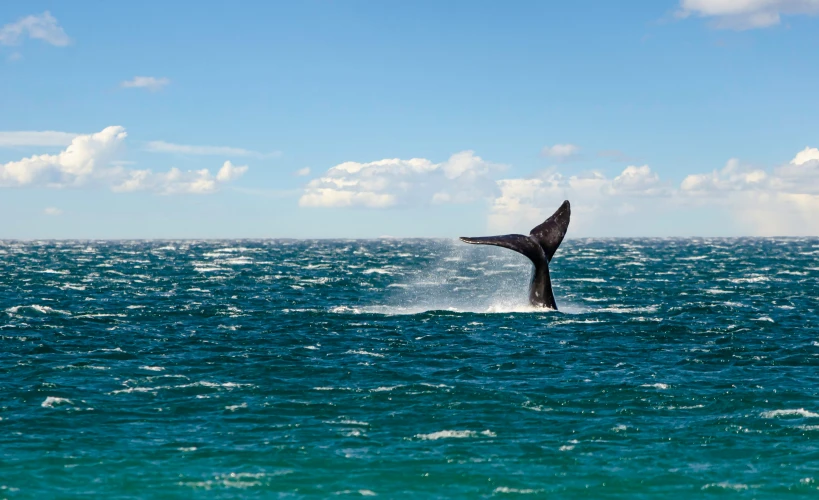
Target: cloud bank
464,177
89,161
746,14
780,201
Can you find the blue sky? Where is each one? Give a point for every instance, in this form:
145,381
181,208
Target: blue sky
364,119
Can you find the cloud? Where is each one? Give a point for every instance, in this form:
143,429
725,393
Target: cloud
560,152
33,138
746,14
464,177
145,82
230,172
525,202
784,201
302,172
39,27
186,149
90,161
52,211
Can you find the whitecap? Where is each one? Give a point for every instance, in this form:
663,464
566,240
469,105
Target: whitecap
523,491
378,271
450,434
51,401
38,308
365,353
801,412
726,486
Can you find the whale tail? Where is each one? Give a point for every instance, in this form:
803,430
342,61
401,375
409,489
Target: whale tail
540,247
542,242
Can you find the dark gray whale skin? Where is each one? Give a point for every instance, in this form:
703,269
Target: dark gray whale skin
540,246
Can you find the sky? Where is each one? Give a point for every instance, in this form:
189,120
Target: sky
365,119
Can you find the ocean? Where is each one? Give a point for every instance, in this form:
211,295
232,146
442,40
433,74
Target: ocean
408,368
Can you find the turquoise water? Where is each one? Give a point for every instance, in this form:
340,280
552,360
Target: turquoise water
408,368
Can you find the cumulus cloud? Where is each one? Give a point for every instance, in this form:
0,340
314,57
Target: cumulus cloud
746,14
302,172
187,149
145,82
560,151
464,177
525,202
38,27
35,138
784,201
90,160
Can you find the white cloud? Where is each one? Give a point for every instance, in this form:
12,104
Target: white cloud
464,177
39,27
560,151
146,82
34,138
73,166
784,201
186,149
746,14
525,202
637,181
90,160
302,172
229,172
52,211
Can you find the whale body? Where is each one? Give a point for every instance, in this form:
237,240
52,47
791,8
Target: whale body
540,246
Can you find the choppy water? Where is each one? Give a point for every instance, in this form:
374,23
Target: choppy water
408,368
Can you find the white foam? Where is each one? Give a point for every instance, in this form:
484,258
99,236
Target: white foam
656,386
449,434
726,486
385,388
378,271
365,353
52,401
801,412
152,368
38,308
524,491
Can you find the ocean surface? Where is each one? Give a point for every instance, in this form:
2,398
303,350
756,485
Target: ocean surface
675,368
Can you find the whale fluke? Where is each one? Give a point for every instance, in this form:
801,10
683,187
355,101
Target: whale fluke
540,246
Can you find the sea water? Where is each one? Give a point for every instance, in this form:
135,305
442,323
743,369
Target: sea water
408,369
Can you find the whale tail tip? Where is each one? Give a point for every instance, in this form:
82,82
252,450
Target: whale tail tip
546,236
